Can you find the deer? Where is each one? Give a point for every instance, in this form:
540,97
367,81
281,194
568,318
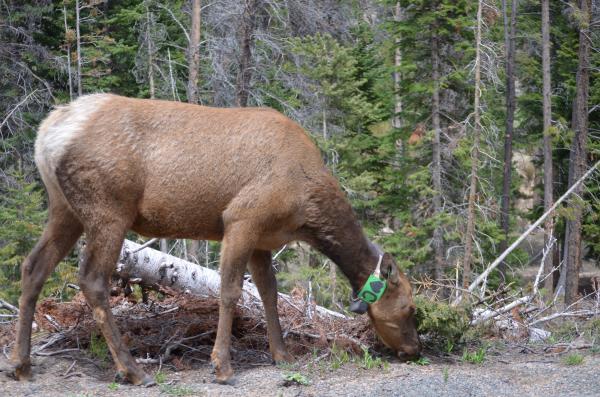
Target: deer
249,177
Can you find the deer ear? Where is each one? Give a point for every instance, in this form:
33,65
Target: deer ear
389,269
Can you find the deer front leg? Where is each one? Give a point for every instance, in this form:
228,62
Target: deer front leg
235,251
264,278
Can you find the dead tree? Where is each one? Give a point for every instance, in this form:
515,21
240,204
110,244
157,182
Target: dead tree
78,37
194,53
153,269
509,43
150,51
68,37
547,110
397,121
436,166
246,42
470,232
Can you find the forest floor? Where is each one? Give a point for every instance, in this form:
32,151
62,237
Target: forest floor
78,363
507,370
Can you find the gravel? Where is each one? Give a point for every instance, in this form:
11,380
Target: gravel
509,374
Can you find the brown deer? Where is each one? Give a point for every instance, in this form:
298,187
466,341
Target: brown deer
249,177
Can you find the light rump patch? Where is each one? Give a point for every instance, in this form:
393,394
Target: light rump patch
60,128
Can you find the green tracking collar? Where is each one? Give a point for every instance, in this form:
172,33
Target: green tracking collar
375,286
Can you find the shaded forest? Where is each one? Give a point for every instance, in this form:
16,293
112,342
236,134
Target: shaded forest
451,125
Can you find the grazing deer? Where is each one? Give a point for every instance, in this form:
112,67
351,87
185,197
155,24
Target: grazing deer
249,177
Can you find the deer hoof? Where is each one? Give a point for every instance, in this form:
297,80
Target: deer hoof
22,371
143,380
225,379
283,358
147,381
223,372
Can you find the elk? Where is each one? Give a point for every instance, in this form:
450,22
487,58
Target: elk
249,177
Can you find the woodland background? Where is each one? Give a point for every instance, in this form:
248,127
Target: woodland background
425,111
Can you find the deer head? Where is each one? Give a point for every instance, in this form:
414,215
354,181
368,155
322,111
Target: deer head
393,315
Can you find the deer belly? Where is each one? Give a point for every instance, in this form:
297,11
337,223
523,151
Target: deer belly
179,221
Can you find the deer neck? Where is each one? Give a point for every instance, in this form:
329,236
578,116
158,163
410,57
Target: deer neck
336,233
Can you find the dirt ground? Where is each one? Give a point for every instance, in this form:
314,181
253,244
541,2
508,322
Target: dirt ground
514,371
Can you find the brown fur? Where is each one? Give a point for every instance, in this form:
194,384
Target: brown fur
249,177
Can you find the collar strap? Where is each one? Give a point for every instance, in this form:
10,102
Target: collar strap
375,286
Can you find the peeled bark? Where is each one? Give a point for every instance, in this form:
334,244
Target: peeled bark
155,268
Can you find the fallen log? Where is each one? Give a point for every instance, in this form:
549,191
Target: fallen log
156,268
8,306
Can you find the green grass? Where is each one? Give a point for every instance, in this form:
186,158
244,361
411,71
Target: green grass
98,347
367,361
573,359
113,386
475,357
421,361
177,391
449,346
445,374
338,358
296,378
160,378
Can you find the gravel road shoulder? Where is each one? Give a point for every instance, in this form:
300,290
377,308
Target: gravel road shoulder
509,374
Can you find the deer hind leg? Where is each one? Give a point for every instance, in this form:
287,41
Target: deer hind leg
264,278
61,233
238,245
99,260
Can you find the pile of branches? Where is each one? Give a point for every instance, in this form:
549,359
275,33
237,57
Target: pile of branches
180,328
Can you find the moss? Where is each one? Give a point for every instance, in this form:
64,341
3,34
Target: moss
444,325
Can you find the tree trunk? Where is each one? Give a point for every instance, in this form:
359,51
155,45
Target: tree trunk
155,268
67,40
77,20
150,48
509,43
194,54
579,124
470,232
172,82
438,234
397,121
246,41
548,168
195,250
